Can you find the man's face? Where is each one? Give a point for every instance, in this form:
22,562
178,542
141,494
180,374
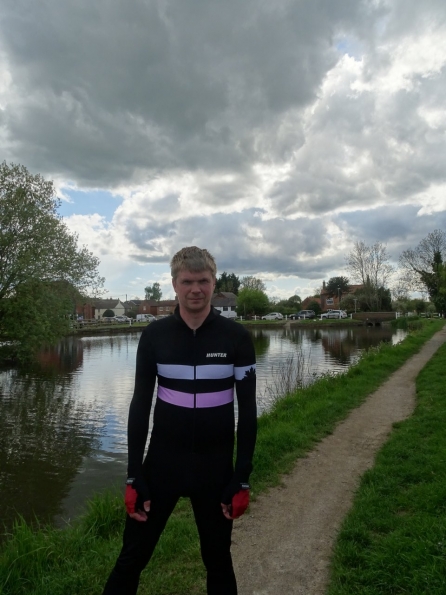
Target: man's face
194,290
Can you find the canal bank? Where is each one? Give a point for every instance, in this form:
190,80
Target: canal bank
60,561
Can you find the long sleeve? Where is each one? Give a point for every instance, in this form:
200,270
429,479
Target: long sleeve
140,406
247,409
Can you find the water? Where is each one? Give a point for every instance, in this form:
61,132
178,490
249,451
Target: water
64,421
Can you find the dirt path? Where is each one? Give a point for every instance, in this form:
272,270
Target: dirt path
283,546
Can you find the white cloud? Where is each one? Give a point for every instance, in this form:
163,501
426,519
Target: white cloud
273,133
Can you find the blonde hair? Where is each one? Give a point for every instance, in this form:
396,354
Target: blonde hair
192,259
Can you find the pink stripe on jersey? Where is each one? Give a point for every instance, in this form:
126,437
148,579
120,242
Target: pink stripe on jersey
180,399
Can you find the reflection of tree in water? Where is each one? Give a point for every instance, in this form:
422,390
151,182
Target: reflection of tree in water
261,341
343,344
45,435
66,356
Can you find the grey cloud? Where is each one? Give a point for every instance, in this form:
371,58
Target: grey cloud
101,90
279,246
397,226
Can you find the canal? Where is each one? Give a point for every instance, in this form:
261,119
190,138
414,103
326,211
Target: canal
64,420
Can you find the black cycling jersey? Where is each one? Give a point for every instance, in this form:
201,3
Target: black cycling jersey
192,440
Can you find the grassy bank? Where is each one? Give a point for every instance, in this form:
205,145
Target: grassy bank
394,539
78,559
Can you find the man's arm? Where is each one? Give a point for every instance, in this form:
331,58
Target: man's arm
245,381
137,496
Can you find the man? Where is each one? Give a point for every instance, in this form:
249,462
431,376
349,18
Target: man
198,357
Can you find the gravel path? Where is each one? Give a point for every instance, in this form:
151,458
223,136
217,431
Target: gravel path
283,546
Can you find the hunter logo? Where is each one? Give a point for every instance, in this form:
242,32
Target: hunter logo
216,355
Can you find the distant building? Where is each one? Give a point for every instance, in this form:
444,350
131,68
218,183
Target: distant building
329,301
100,306
225,301
309,300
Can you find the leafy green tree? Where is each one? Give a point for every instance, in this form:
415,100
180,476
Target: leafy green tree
227,282
252,283
108,314
315,306
153,292
42,270
288,306
252,302
337,286
295,301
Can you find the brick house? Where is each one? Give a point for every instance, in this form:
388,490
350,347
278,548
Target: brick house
161,308
331,302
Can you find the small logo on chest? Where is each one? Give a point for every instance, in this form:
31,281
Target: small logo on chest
216,354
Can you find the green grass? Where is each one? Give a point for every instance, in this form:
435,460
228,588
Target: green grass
394,539
78,559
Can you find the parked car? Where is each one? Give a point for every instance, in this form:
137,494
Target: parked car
107,319
334,314
303,314
273,316
121,319
145,318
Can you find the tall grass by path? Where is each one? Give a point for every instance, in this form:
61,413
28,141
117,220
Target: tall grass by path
394,539
78,559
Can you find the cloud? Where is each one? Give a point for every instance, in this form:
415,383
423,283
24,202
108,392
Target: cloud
273,133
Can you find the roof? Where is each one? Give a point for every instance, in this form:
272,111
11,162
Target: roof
224,298
107,304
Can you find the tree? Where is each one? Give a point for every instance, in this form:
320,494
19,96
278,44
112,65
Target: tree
316,307
252,302
252,283
42,270
337,286
369,265
227,282
422,268
295,300
108,314
153,292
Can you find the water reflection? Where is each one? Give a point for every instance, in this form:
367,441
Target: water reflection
64,421
45,435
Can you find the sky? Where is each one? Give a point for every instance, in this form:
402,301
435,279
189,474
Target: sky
274,134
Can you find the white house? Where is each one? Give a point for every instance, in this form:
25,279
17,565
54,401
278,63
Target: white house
116,306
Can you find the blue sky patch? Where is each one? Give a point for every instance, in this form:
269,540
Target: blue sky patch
90,202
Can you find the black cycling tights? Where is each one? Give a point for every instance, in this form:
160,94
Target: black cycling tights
140,539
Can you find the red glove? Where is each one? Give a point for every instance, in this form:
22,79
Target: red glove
240,502
136,493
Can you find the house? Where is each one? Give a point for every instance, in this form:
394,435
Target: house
161,308
132,306
225,301
309,300
329,301
85,310
100,306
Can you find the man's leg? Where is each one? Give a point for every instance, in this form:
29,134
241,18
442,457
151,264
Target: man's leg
215,540
139,541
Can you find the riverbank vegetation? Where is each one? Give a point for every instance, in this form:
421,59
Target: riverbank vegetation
79,558
43,271
394,539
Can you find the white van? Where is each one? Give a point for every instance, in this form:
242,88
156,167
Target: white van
145,318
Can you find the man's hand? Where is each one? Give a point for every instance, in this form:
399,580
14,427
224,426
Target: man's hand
238,503
137,500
